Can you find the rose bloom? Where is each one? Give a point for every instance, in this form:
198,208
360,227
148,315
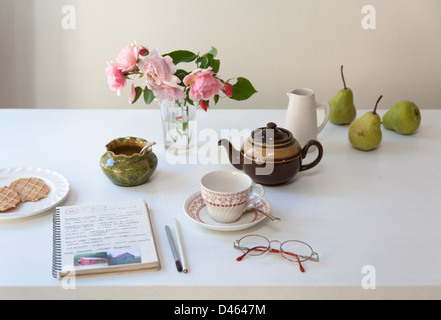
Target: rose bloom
115,78
203,86
169,94
159,71
128,58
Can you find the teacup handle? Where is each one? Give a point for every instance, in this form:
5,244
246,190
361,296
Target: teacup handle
305,153
327,106
260,196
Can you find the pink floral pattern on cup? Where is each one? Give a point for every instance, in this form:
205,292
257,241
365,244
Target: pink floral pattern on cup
225,200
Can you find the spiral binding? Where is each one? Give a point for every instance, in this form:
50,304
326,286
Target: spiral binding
56,255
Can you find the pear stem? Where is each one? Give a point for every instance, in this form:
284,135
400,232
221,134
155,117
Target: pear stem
342,76
375,109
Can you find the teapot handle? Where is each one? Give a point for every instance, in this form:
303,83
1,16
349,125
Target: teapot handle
305,152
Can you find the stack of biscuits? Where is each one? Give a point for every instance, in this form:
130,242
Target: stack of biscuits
22,190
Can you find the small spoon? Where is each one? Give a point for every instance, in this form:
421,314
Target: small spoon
273,218
146,146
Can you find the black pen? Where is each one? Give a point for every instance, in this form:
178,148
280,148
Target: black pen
173,249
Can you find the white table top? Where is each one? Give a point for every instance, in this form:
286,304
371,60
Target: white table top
378,208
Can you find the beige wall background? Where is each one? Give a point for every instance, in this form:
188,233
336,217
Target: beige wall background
278,45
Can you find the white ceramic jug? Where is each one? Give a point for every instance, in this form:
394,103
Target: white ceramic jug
301,116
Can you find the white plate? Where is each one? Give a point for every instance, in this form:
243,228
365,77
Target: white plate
196,210
59,188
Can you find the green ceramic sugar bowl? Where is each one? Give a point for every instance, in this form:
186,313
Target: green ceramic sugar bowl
129,161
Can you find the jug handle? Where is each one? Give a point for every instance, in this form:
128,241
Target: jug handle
305,153
327,106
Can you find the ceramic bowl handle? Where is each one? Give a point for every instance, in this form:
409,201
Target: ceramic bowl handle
305,153
327,107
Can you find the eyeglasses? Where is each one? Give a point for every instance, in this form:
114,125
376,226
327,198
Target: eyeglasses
291,250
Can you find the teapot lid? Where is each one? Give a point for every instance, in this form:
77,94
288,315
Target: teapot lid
271,144
271,134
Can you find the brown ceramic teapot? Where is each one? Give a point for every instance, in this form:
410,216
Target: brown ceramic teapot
271,155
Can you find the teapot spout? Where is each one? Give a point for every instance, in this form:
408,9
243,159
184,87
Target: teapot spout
234,155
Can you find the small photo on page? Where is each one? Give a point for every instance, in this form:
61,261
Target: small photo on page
124,257
94,258
108,258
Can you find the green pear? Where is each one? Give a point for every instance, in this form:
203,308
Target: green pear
343,110
365,132
403,117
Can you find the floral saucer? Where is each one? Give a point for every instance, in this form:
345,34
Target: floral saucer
196,210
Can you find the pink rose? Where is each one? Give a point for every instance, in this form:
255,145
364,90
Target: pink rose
128,57
203,86
115,78
159,71
169,94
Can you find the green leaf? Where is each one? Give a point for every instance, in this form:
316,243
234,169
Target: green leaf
181,56
138,91
242,89
206,61
215,65
213,51
148,95
216,99
180,73
184,126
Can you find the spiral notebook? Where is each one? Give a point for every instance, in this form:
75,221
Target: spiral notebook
104,238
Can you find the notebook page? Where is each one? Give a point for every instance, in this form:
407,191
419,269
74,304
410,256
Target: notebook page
106,235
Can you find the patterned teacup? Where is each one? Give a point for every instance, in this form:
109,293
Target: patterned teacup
227,194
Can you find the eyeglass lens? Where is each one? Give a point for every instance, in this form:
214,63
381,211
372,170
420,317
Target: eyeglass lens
295,250
254,245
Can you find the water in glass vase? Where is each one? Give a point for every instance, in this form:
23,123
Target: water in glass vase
179,127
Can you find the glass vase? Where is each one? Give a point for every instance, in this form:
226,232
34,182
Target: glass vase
178,126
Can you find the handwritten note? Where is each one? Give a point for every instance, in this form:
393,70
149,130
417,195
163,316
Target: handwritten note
115,227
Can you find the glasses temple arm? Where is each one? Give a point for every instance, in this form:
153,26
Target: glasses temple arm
258,248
